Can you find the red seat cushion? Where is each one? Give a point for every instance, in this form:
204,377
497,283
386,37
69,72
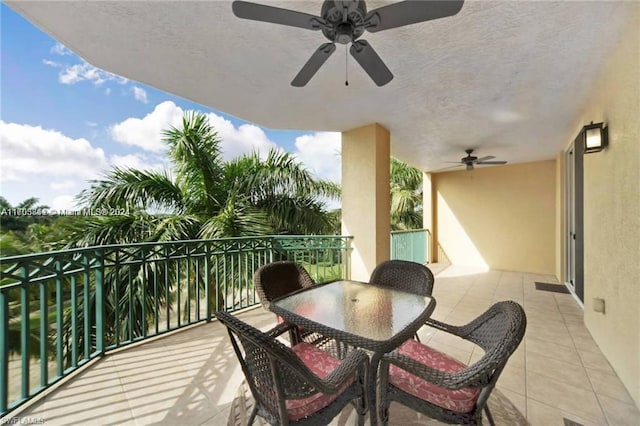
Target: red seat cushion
321,364
460,400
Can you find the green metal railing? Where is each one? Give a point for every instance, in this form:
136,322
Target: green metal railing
411,245
61,309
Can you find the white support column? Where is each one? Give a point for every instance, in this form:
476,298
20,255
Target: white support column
366,201
428,217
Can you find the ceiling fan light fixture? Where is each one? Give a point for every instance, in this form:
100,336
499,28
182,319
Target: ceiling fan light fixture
595,137
343,22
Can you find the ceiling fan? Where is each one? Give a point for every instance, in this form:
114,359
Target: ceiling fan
344,21
470,160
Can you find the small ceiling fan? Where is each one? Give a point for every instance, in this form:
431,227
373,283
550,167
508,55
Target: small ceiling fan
344,21
470,160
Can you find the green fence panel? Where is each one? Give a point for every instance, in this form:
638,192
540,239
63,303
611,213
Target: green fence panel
410,245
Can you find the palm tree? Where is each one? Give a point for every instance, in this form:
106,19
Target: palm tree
204,197
208,197
406,196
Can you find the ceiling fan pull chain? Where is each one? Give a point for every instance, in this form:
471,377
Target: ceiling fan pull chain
346,68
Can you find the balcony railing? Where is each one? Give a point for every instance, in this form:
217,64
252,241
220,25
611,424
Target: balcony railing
61,309
410,245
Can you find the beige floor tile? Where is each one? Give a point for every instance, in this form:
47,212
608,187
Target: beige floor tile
185,409
595,361
585,344
88,411
517,401
566,398
452,340
609,385
552,350
572,373
618,413
425,333
543,322
454,352
558,335
513,379
539,414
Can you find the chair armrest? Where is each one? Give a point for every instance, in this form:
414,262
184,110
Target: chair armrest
440,378
452,329
279,329
356,363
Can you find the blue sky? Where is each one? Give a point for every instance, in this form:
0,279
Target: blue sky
64,122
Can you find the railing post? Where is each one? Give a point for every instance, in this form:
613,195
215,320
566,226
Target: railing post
44,338
100,311
4,351
207,280
59,320
24,333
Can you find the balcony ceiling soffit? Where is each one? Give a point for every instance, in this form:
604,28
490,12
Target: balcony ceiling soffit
509,78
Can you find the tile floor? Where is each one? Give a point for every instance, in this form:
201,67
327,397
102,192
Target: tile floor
191,377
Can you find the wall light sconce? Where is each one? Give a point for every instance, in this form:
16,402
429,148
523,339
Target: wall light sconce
595,137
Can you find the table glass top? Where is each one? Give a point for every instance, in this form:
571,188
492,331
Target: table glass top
376,313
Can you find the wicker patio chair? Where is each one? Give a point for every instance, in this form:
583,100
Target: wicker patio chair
301,385
432,383
408,276
278,279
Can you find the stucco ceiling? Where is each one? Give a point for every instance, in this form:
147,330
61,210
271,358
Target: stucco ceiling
509,78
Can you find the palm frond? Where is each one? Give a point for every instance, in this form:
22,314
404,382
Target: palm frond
195,152
134,189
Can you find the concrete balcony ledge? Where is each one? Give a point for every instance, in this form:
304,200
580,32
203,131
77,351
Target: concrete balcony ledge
191,377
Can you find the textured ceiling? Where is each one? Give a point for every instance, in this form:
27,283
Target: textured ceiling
508,78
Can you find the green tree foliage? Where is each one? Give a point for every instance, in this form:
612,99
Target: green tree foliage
406,196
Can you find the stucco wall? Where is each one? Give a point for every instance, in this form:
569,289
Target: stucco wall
612,212
499,217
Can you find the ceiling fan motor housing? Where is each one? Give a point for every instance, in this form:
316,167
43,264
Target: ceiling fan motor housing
343,30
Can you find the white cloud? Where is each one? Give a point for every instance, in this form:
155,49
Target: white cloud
31,150
138,161
84,71
107,91
65,184
236,141
64,203
51,63
146,132
320,153
61,49
140,94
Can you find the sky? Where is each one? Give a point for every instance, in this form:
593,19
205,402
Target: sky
64,122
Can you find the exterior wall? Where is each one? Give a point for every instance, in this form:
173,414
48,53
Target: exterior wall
499,217
366,199
612,212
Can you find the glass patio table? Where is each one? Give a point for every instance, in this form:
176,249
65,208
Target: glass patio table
364,315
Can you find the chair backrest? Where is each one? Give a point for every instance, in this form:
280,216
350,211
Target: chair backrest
273,371
404,275
498,331
279,279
